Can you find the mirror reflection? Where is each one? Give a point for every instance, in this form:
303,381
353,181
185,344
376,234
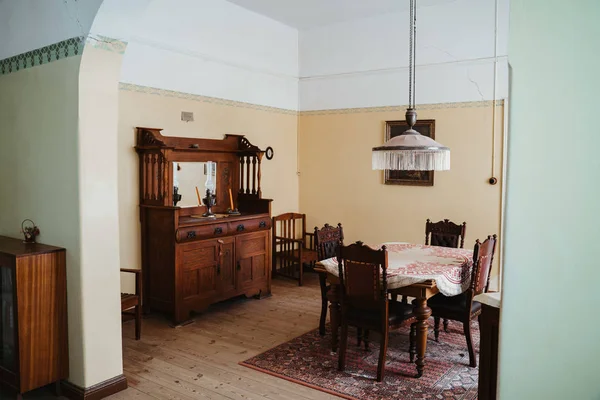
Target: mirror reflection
190,181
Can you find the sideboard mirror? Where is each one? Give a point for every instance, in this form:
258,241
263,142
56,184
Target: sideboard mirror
191,179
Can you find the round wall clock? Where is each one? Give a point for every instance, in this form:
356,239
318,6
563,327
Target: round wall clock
269,153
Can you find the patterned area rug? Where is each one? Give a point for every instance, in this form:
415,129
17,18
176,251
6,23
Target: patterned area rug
308,360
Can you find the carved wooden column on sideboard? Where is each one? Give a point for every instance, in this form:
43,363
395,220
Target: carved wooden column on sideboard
33,315
190,261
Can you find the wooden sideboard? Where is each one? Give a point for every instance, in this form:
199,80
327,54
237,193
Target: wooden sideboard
33,315
190,262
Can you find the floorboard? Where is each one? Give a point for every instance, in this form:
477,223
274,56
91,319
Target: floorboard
200,360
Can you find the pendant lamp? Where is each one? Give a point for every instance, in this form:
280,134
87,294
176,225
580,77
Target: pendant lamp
411,151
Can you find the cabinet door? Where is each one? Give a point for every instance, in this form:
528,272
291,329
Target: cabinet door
8,337
198,276
226,269
252,263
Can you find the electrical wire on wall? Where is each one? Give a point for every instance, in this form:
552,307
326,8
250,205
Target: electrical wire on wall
493,180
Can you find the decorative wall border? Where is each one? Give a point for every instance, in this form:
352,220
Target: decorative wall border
66,48
44,55
402,108
129,87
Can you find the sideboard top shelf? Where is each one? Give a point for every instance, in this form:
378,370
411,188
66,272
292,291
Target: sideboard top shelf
152,138
17,248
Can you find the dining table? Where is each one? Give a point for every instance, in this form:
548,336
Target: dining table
414,270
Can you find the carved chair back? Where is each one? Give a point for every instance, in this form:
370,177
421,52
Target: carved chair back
483,256
363,277
327,240
445,233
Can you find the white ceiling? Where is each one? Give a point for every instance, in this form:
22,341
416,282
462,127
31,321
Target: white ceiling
306,14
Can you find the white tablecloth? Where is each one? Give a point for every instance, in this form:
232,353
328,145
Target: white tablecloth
413,263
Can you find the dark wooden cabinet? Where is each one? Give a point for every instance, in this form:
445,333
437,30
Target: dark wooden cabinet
488,352
191,262
33,315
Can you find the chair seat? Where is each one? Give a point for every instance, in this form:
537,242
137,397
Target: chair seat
441,304
398,312
128,301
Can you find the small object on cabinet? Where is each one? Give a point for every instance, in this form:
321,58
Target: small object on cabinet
176,196
269,153
30,231
209,201
232,210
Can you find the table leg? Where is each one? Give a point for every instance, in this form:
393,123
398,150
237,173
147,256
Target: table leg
422,312
334,315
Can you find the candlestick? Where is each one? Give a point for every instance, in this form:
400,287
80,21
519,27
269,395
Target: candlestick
230,200
198,194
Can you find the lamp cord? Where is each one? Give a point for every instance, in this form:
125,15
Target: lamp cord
410,57
414,53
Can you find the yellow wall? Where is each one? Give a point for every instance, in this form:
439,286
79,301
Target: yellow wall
213,118
39,172
337,183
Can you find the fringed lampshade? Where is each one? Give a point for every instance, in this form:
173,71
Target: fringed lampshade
411,151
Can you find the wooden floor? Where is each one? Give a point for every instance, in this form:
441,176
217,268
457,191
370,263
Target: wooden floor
200,361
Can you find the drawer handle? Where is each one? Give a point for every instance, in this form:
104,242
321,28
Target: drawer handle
240,228
218,269
218,230
191,234
239,266
262,224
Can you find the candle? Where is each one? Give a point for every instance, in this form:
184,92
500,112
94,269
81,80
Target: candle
230,199
198,194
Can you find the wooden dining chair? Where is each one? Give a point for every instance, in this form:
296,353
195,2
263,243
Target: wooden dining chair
134,300
364,299
327,240
292,246
445,233
463,308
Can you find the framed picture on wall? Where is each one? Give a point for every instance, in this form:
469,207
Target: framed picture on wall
425,127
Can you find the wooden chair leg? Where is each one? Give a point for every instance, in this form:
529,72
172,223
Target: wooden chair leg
436,328
366,339
382,356
343,347
467,329
324,302
445,325
412,348
138,322
301,272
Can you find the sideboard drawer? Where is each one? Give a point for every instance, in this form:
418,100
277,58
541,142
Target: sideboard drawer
200,232
250,225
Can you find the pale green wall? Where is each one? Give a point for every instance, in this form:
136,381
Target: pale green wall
39,171
550,330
